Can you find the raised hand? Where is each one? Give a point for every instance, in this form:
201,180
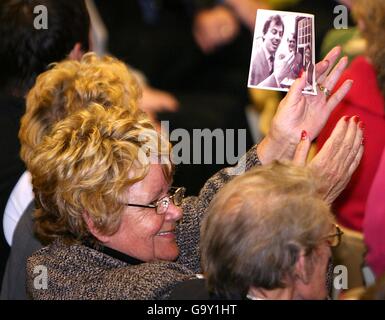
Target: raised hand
154,100
339,157
215,27
298,112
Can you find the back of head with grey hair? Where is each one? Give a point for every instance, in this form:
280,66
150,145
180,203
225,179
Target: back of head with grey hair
256,227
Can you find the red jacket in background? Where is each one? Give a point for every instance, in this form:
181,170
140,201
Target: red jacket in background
374,222
364,100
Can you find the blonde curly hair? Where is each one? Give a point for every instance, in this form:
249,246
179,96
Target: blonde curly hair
70,85
372,14
86,166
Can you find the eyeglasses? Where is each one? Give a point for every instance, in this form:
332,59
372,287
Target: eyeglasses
334,240
176,195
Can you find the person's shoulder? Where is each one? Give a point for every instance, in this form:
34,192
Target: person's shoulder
193,289
20,198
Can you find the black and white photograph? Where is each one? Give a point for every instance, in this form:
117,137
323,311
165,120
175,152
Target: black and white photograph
283,49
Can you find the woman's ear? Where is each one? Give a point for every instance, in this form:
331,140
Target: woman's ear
93,229
76,52
303,267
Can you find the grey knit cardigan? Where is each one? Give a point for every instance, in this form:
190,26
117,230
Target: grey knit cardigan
79,272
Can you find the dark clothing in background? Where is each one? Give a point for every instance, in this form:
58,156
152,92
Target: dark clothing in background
166,52
323,11
194,289
11,166
24,244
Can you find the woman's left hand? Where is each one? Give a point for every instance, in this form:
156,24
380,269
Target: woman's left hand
298,112
339,157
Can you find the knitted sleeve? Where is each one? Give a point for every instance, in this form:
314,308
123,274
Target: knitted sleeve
74,272
194,209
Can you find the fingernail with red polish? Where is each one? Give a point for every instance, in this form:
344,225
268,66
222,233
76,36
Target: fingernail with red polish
361,125
347,118
363,141
356,119
303,135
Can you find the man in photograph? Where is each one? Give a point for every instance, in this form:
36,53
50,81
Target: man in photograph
297,63
263,73
309,67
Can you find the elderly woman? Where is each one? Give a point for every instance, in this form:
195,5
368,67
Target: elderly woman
106,209
275,239
108,215
66,87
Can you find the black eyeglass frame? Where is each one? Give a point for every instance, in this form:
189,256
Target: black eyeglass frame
155,205
338,234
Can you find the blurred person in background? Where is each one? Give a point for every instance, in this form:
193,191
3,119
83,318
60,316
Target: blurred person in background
365,100
25,52
374,222
198,50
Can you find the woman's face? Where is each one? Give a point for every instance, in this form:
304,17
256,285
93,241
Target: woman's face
318,278
315,287
144,234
